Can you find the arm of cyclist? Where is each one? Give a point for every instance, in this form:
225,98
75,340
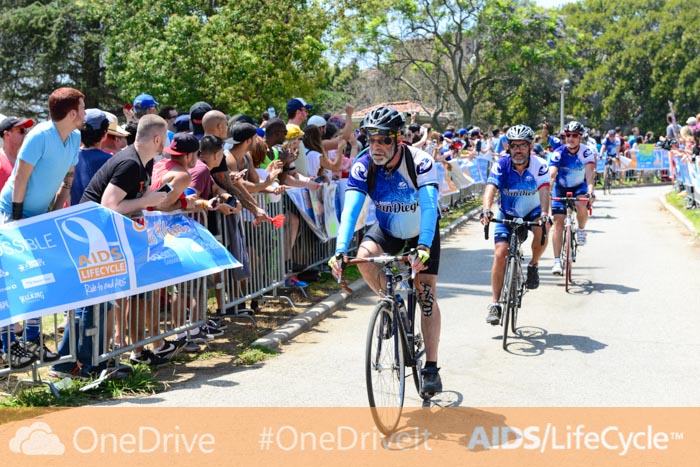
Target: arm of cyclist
354,200
489,195
545,199
590,182
428,196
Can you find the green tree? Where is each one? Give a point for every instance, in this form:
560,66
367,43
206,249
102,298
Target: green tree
462,53
46,45
239,56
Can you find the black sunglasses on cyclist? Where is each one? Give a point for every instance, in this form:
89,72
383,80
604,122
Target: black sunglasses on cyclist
386,140
572,135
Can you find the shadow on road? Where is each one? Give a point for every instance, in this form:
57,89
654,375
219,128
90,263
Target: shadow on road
587,287
532,341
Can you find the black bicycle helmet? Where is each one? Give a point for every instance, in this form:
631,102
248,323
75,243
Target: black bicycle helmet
574,127
520,132
383,119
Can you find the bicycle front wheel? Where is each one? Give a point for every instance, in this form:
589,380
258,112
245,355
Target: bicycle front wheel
569,258
418,347
518,286
510,285
384,369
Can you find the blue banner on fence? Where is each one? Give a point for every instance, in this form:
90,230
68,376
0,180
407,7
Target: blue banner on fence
88,254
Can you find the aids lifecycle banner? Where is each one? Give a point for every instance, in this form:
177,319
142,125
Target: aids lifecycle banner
87,254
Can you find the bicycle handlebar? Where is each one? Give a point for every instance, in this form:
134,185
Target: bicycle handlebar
574,199
516,222
384,259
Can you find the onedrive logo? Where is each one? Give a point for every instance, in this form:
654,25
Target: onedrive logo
37,440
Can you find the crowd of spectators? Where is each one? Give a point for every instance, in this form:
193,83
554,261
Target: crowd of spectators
211,162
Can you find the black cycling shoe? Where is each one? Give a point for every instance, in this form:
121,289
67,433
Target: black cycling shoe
533,277
431,381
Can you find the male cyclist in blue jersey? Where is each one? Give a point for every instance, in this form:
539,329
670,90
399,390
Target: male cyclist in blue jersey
522,181
402,182
610,149
573,171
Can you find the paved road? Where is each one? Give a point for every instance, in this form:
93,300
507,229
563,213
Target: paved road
625,336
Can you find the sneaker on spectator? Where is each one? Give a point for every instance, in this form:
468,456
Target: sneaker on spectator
191,347
41,351
581,237
294,282
201,334
217,324
18,357
147,357
166,350
215,332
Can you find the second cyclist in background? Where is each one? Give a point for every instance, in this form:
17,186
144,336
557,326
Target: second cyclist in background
522,180
572,171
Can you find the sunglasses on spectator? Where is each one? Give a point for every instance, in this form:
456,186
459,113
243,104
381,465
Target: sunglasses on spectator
519,146
573,135
385,140
21,130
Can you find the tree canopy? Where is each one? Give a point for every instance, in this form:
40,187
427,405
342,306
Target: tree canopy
486,62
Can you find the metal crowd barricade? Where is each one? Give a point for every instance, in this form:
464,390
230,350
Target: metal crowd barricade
48,336
260,248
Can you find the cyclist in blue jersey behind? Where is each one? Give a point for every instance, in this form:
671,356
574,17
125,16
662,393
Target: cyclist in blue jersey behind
610,149
522,181
402,183
572,171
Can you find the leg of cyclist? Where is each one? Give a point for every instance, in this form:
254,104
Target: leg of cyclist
430,324
533,277
582,219
371,272
557,241
426,283
558,212
498,270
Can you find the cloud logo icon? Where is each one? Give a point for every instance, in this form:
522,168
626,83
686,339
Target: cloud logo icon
37,440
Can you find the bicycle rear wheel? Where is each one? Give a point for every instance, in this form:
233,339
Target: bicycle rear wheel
510,297
607,179
385,372
418,349
569,259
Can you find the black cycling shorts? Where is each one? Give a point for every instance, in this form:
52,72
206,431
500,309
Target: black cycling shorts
392,245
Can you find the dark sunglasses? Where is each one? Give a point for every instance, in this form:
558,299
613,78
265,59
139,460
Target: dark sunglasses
386,140
573,135
22,130
519,146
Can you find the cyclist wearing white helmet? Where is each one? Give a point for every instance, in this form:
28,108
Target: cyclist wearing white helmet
522,180
573,171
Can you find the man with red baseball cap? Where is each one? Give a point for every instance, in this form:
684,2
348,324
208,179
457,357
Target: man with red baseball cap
12,131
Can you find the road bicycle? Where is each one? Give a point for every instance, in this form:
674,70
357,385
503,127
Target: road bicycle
608,175
569,244
394,340
514,278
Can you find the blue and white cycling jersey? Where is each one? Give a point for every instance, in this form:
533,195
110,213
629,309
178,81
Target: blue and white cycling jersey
519,192
609,147
394,196
571,167
554,142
